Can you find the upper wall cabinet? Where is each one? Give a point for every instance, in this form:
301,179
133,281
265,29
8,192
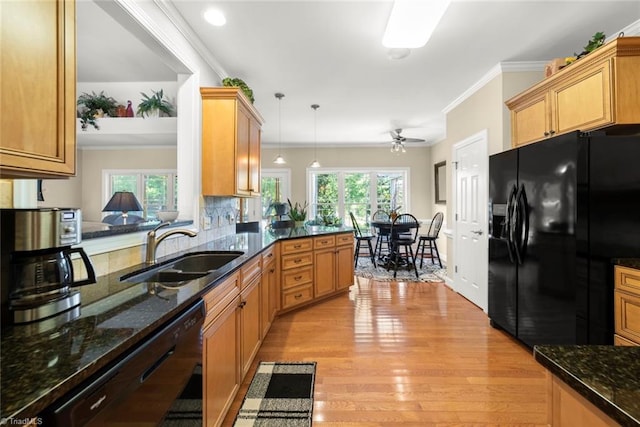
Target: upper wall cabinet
38,86
230,143
598,91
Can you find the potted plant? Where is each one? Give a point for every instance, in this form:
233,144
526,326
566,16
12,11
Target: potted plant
297,212
155,104
95,106
236,82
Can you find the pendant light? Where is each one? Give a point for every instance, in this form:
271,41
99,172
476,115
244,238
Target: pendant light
315,163
279,160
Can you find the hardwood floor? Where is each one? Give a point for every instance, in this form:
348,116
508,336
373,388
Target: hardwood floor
392,353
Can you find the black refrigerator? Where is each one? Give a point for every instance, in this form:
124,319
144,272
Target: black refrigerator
560,211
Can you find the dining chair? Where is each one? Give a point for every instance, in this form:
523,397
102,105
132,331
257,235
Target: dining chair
382,235
430,239
362,237
404,232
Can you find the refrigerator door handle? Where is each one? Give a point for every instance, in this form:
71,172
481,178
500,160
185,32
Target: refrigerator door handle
515,227
520,233
508,218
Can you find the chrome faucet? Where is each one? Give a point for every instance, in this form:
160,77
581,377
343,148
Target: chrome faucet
153,242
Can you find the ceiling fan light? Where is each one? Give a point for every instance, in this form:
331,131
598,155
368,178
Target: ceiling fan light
412,22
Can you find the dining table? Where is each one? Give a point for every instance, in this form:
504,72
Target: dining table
387,227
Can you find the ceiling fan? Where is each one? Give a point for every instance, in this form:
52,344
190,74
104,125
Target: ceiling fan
397,144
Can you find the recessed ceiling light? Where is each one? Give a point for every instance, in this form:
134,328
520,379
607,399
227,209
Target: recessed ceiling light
412,22
215,17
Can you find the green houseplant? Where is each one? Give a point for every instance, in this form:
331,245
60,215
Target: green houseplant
95,106
156,103
236,82
297,212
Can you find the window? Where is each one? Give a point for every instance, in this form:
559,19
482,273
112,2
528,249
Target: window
272,182
155,189
340,191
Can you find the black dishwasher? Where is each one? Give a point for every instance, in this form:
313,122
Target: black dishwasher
108,396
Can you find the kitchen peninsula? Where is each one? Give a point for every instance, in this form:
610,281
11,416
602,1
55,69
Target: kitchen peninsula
43,362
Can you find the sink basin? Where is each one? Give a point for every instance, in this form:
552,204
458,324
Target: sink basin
186,268
204,262
166,276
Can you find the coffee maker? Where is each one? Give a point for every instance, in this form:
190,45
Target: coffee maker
37,271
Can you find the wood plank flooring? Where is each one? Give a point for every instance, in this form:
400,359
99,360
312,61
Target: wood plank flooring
411,354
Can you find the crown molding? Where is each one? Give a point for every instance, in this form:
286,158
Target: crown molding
501,67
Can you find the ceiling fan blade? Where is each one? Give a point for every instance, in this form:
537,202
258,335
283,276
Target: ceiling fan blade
394,135
412,139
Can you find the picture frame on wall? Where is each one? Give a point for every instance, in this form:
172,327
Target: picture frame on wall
440,181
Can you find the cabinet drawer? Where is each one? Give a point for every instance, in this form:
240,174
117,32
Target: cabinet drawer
297,260
250,270
621,341
627,279
220,296
627,313
296,277
324,242
344,239
268,255
296,245
298,295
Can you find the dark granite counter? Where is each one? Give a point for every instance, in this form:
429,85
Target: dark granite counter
628,262
96,230
41,362
607,376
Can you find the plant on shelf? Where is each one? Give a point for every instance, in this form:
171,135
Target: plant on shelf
297,212
236,82
596,41
95,106
154,104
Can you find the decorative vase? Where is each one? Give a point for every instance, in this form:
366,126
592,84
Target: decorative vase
393,216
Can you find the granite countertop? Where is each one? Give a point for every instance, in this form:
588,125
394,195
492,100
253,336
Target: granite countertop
628,262
40,362
607,376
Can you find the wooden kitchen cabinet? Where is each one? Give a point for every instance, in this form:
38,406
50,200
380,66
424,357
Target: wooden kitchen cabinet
38,86
344,258
231,129
627,306
250,325
221,350
270,291
596,92
296,263
568,408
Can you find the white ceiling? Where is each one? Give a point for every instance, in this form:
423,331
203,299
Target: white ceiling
330,53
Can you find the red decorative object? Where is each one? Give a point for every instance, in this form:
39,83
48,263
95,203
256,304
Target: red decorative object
129,110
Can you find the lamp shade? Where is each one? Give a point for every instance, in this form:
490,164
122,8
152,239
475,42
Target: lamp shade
122,201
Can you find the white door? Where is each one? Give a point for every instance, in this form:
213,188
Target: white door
470,219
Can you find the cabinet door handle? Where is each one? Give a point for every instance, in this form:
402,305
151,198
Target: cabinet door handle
272,270
297,261
242,304
297,278
552,131
297,246
546,133
297,296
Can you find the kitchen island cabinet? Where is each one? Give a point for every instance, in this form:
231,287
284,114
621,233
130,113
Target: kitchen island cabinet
595,92
231,129
38,139
333,263
250,325
220,350
627,306
270,291
591,385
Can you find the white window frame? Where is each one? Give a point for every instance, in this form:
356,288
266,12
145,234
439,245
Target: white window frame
373,171
107,190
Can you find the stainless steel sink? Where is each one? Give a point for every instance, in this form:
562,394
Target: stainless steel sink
173,276
186,268
205,261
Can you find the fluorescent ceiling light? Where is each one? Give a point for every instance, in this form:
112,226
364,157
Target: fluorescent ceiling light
215,17
412,22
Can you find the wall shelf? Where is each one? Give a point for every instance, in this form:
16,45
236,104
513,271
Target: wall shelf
132,132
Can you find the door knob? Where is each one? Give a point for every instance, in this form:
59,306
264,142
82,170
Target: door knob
478,232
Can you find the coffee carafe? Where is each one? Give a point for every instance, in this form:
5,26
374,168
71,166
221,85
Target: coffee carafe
37,270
